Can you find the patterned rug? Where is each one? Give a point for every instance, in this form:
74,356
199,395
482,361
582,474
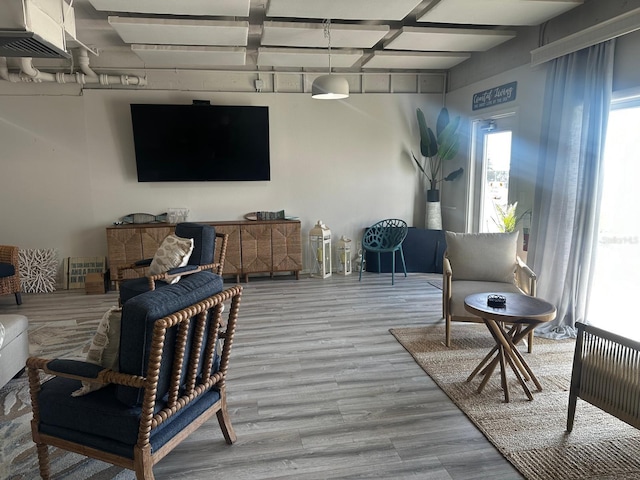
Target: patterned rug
530,434
18,458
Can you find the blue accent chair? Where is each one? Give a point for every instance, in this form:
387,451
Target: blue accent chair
386,236
202,258
174,356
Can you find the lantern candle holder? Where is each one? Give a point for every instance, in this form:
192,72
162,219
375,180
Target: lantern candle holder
320,250
344,256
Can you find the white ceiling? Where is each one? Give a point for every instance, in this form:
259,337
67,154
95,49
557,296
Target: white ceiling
286,35
486,12
170,31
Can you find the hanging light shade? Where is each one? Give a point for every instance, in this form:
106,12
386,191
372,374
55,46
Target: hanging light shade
329,87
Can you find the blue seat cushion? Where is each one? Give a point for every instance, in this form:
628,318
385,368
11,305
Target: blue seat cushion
136,329
100,421
7,269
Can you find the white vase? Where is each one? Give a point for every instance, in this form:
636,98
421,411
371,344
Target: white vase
433,216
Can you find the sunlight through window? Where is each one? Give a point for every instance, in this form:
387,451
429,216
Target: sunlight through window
496,179
617,274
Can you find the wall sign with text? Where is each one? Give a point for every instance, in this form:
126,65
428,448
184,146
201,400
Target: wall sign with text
495,96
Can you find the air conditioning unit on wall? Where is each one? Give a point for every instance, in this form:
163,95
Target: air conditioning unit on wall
35,28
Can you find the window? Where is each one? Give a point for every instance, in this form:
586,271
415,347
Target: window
495,179
616,279
489,176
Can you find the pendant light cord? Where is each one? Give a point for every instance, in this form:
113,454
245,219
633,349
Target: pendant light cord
327,35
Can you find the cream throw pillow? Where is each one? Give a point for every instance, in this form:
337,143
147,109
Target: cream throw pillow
104,349
489,257
173,252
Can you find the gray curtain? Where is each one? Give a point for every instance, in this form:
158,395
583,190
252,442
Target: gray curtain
564,230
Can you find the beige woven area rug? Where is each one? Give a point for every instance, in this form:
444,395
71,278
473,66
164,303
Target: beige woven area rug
530,434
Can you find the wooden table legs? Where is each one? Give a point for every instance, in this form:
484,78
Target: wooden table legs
506,353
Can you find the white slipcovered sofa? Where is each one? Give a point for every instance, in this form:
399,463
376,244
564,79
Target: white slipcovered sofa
15,346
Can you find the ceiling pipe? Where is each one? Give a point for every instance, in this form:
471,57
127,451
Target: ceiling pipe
83,63
29,73
27,69
4,70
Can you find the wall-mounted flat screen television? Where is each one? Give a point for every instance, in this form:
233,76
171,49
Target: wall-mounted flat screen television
187,143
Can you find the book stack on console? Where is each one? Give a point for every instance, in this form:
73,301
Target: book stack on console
270,215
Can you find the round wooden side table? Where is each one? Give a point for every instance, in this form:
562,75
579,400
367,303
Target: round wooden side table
522,314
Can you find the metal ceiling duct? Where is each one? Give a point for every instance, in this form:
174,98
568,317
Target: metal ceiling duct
35,28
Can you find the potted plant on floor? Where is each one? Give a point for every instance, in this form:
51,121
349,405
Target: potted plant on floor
436,149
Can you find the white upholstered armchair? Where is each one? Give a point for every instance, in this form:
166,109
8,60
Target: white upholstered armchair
481,262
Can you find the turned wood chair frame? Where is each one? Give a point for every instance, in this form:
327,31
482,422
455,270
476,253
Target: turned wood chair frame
143,458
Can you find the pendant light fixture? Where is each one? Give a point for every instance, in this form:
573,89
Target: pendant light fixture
329,87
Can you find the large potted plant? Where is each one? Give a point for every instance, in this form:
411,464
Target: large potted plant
436,149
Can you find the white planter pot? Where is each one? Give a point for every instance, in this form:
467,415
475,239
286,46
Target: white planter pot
433,216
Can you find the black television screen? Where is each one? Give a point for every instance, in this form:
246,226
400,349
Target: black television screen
185,143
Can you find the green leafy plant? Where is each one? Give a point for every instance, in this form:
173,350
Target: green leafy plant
439,147
508,219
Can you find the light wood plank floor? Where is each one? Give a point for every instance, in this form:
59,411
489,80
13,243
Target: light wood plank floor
318,388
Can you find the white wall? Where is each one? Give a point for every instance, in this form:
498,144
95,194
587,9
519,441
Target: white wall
626,74
68,167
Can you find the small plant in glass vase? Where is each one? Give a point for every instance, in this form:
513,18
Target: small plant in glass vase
436,149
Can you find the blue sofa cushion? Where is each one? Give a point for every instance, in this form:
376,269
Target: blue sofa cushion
98,420
138,317
7,269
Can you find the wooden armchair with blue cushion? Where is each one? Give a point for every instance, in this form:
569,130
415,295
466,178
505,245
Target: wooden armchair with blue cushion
191,249
174,356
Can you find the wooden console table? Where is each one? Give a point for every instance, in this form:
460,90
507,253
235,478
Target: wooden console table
263,246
